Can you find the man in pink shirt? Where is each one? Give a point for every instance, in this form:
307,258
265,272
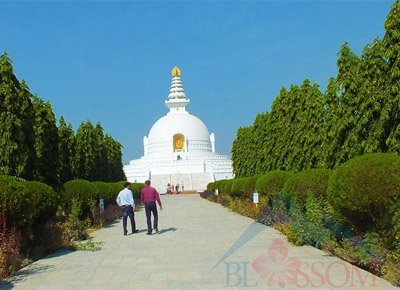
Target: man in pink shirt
149,197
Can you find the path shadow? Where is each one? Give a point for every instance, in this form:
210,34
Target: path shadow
59,253
32,269
5,285
173,229
21,275
112,224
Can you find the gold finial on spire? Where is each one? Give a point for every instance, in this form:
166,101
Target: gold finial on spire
176,72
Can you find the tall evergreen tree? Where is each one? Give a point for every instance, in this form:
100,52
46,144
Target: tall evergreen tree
369,130
329,143
342,144
293,129
16,123
275,123
306,127
85,153
46,142
247,148
258,141
391,43
100,171
113,167
66,146
240,151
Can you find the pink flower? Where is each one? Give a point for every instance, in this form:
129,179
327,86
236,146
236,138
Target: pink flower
277,267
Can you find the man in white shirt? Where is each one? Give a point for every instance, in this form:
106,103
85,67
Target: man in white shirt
126,201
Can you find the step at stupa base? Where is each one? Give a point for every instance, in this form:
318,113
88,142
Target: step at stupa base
191,182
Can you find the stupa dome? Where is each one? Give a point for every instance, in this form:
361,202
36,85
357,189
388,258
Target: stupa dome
179,123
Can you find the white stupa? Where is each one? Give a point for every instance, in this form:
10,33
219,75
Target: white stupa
179,148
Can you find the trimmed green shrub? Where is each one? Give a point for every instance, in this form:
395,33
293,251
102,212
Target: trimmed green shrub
226,187
312,181
365,188
220,185
119,184
116,187
273,182
216,184
237,187
249,184
44,200
103,190
136,188
83,191
16,203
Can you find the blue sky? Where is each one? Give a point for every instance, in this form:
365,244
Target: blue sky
110,61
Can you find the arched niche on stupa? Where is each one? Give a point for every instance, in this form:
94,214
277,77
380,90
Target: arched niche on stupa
179,142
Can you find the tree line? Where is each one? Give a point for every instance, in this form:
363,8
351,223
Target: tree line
358,113
34,146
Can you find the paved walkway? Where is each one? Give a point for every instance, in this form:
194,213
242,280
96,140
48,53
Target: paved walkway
201,246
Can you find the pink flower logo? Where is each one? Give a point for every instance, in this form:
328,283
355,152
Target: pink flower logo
277,267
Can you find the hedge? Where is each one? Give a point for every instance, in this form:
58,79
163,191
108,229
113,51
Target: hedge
82,190
215,185
15,202
313,181
136,188
220,185
237,187
365,188
104,190
273,182
249,184
25,203
44,199
226,187
116,187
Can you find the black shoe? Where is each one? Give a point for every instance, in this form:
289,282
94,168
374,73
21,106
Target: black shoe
149,234
125,233
135,231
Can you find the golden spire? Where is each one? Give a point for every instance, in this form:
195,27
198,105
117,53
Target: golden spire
176,72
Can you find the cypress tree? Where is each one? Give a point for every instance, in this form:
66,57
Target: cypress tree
46,142
342,143
247,148
369,130
66,146
274,125
391,44
242,161
16,123
85,154
114,168
329,143
258,141
307,128
100,164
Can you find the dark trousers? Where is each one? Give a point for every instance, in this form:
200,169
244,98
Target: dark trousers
127,210
151,207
